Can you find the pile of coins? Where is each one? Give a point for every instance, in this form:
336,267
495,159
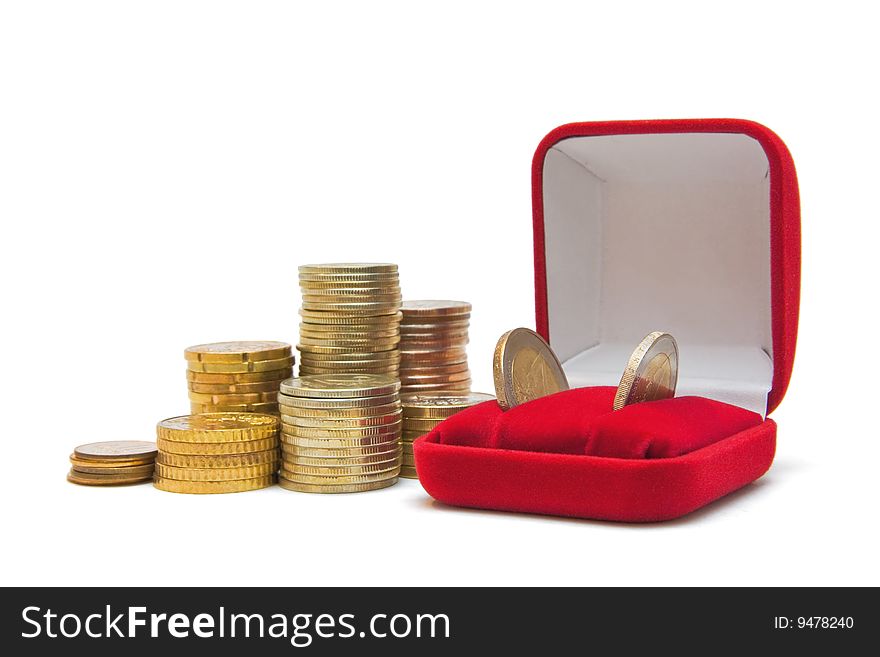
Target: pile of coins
112,463
433,347
217,453
350,319
340,433
237,377
421,413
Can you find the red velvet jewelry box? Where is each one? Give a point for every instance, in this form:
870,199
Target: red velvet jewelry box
685,226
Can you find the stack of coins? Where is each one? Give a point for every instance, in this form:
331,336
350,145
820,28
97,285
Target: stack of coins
237,377
433,347
112,463
350,319
421,413
340,433
217,453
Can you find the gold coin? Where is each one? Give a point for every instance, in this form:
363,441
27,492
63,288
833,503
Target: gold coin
332,404
234,388
218,427
435,308
344,366
450,388
312,371
428,379
294,470
340,413
525,368
337,334
380,284
388,357
419,424
334,424
232,398
406,449
216,474
217,449
339,352
408,472
343,488
241,368
410,345
427,332
266,408
346,461
651,373
440,406
434,356
352,344
340,386
385,440
386,450
360,308
428,325
344,319
237,352
432,370
413,341
241,377
407,460
116,450
104,480
219,460
350,268
111,464
331,480
325,431
130,471
352,295
410,436
206,487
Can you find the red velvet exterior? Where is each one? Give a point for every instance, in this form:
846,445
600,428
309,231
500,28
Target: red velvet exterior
628,490
649,462
785,226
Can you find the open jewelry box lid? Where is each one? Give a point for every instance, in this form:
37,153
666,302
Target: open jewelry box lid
685,226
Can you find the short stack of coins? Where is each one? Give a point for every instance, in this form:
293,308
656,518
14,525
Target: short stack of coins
112,463
422,413
340,433
237,377
350,318
217,453
433,347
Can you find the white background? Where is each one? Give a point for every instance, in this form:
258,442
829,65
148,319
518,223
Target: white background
164,166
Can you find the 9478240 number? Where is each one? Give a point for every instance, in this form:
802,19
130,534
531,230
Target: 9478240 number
813,623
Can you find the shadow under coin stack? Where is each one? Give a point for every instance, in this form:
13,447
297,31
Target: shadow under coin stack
237,377
112,463
421,413
433,347
340,433
217,453
350,319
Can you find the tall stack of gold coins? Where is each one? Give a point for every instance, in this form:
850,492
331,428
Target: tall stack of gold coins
112,463
217,453
237,377
340,433
422,413
350,318
433,347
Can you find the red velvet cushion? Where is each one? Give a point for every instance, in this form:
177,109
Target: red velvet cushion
581,421
667,428
559,423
